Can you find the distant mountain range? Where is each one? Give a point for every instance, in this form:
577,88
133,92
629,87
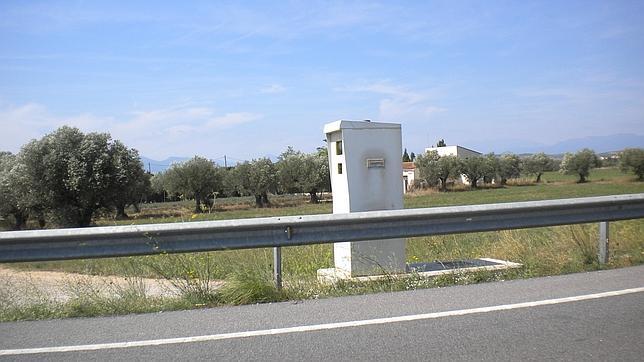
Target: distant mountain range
599,144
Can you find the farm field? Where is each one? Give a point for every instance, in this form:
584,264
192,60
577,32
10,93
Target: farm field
542,251
554,186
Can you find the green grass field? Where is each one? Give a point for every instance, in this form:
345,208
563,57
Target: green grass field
554,186
611,174
542,251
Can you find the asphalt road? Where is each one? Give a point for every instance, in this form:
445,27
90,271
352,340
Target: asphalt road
514,320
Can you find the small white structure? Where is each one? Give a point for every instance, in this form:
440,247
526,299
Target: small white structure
458,151
365,160
409,175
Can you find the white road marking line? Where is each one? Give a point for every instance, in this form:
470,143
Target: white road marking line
316,327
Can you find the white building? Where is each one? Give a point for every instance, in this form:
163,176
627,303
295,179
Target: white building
409,175
458,151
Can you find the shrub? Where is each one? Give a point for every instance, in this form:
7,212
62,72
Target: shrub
580,163
632,160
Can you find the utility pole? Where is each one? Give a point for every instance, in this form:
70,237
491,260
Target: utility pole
149,169
225,163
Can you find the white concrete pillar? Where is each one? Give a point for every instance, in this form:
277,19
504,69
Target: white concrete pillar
365,160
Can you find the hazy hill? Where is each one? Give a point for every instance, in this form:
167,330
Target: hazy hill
599,144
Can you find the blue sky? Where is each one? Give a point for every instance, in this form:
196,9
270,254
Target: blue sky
247,79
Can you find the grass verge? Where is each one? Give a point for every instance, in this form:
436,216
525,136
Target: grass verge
247,278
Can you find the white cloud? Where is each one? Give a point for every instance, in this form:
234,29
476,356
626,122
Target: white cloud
21,124
171,114
401,110
399,103
232,119
155,133
272,89
178,131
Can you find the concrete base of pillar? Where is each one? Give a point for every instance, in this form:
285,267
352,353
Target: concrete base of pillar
423,270
373,257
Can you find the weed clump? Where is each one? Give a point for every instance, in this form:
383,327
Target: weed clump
247,287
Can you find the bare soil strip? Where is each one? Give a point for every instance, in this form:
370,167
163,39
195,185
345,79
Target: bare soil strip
24,286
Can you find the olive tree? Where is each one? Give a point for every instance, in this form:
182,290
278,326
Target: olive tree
262,179
580,163
15,198
289,167
509,167
492,167
197,178
315,175
233,180
475,168
158,189
437,170
632,160
70,173
298,172
537,164
257,178
130,181
426,165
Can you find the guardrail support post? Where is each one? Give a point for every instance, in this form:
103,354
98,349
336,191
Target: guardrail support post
603,242
277,267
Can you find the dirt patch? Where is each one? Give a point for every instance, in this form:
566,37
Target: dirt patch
19,287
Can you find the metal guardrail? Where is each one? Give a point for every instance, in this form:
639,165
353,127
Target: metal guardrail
111,241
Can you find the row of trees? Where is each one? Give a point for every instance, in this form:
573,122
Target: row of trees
202,180
67,176
437,170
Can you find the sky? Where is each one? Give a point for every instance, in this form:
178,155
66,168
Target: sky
247,79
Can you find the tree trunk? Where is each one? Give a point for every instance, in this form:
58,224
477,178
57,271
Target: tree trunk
582,178
197,204
265,200
258,201
473,183
41,220
21,220
85,217
314,196
539,177
443,183
120,213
